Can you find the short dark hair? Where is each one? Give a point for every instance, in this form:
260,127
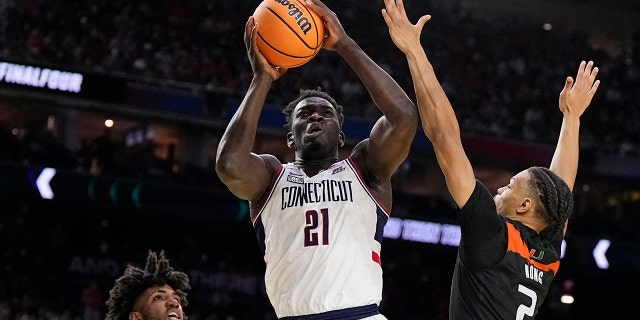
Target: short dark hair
556,198
134,281
306,93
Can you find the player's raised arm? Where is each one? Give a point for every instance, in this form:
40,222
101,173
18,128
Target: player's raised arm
436,113
246,174
390,139
574,99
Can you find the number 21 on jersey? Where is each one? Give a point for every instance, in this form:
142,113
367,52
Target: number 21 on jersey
314,231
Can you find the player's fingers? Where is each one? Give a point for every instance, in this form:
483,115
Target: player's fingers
594,73
594,88
248,29
390,6
400,7
581,69
318,5
421,22
568,83
385,16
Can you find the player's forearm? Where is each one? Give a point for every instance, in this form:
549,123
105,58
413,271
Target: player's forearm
437,114
237,141
566,156
386,93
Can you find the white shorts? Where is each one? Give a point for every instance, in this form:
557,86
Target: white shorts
343,313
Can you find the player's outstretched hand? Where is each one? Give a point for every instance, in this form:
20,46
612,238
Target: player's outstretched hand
576,95
405,35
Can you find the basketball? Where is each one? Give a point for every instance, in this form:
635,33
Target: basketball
289,34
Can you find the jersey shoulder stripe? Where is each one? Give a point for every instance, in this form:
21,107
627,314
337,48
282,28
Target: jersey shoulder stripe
349,161
517,245
270,190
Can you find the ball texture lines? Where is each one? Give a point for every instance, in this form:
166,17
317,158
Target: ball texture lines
289,34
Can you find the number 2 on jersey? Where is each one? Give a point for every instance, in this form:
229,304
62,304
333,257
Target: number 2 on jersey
311,232
524,310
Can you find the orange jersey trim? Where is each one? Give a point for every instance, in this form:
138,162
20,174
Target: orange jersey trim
516,245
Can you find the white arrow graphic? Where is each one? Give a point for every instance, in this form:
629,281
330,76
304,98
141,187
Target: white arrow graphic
43,183
599,253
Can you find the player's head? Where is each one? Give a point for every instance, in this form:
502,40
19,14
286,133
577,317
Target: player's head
555,197
157,290
540,192
314,120
306,93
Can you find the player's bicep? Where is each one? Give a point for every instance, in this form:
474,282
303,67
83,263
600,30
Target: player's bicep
389,145
251,181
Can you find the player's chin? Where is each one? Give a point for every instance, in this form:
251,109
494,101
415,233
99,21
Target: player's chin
497,203
314,145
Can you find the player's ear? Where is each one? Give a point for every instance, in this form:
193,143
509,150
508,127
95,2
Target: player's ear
135,315
290,143
341,139
525,205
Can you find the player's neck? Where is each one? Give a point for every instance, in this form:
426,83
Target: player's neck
313,167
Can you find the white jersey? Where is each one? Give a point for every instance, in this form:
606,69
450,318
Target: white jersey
321,239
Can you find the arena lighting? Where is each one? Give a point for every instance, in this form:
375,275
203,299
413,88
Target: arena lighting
422,231
567,299
599,253
429,232
42,182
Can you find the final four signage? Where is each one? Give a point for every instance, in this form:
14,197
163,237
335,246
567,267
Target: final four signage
45,78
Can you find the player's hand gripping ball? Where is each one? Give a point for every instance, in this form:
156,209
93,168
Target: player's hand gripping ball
289,34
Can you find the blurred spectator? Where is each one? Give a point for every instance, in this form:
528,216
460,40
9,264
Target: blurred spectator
103,154
93,301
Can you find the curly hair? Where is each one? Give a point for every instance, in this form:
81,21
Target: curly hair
134,281
556,199
307,93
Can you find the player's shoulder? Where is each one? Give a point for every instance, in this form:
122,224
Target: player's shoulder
271,161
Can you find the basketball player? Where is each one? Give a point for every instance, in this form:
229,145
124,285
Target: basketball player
320,219
155,292
510,245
